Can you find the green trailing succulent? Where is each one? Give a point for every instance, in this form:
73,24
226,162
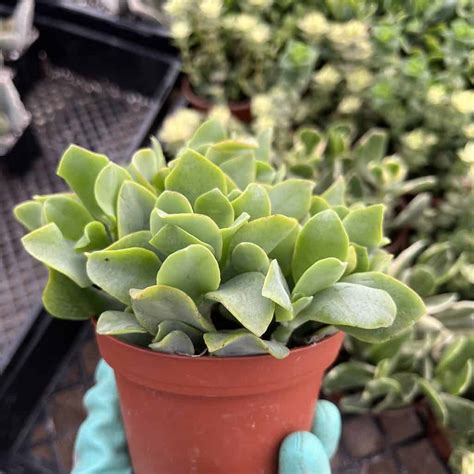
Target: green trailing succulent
213,252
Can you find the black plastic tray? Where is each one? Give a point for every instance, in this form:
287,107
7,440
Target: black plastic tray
100,91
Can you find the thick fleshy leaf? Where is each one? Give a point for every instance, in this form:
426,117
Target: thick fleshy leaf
457,382
264,139
64,299
434,399
117,271
322,274
228,233
350,305
30,214
193,270
95,237
215,205
68,214
161,303
172,202
380,261
48,245
249,257
116,323
242,169
456,354
291,198
160,178
254,201
335,194
323,236
172,238
135,204
140,239
242,343
351,260
223,151
107,187
176,342
194,175
410,306
146,163
275,287
200,226
318,204
348,376
79,168
460,412
362,257
208,133
165,327
242,297
297,306
372,146
364,226
265,172
406,258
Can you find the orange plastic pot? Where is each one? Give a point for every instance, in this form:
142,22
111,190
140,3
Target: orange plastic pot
211,415
240,110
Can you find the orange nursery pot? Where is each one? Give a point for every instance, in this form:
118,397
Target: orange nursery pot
209,415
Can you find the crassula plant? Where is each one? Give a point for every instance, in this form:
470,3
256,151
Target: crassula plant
214,253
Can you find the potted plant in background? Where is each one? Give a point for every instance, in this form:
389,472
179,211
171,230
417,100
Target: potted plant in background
221,290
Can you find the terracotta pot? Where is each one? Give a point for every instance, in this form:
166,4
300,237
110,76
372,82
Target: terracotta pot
240,110
211,415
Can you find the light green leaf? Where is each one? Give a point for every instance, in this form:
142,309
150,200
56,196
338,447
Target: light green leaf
265,173
362,257
135,204
242,297
365,225
371,146
193,270
275,287
291,198
29,214
335,194
194,175
159,158
410,306
215,205
172,202
322,274
167,326
160,178
297,306
95,238
223,151
348,376
460,412
254,201
249,257
68,214
208,133
63,299
107,187
116,323
241,343
434,399
79,168
242,169
200,226
318,204
228,233
160,303
457,382
322,236
117,271
264,139
176,342
48,245
139,239
146,163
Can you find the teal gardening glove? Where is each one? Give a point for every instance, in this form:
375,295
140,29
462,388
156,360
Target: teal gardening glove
101,445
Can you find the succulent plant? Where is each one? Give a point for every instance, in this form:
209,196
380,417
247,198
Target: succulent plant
17,32
13,116
212,252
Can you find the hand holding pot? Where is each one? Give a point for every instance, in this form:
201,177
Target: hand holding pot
101,445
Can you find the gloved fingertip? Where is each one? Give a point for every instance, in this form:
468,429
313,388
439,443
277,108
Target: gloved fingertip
327,426
302,453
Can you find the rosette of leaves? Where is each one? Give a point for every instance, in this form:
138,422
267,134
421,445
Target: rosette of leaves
17,32
213,252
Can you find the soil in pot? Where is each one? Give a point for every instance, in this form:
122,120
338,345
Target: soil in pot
210,415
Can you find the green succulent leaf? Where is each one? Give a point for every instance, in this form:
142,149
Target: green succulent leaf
249,257
348,376
117,323
242,169
437,403
264,139
228,233
297,306
457,382
194,175
253,201
207,134
215,205
322,236
275,287
117,271
265,173
364,226
135,204
159,303
79,168
140,239
165,327
193,270
322,274
226,150
176,342
335,194
242,343
291,198
146,163
64,299
362,258
30,214
242,297
172,202
410,306
48,245
460,412
318,204
68,214
107,187
95,237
